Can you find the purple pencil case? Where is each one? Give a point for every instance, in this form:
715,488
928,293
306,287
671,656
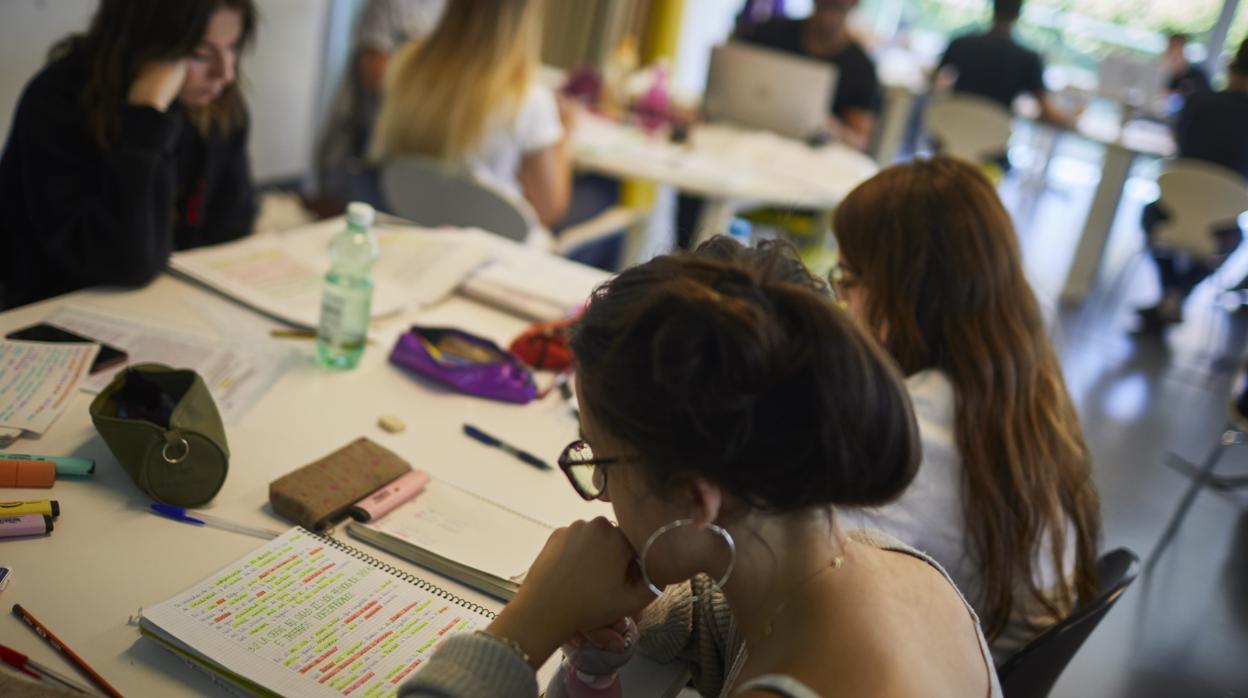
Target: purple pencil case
467,363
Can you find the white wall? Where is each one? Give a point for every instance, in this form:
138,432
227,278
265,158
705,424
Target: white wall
28,28
282,81
282,74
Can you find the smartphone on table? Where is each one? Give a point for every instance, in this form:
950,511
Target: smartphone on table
108,357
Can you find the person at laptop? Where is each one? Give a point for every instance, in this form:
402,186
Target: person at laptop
1182,78
1211,127
993,65
129,144
824,35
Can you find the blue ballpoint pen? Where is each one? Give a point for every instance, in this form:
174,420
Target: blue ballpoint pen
488,440
201,519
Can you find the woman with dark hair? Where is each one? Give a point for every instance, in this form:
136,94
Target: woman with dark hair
129,144
727,409
1004,497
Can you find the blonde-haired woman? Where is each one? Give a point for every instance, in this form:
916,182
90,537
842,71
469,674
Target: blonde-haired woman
469,95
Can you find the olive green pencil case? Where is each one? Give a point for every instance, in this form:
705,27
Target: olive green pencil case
164,429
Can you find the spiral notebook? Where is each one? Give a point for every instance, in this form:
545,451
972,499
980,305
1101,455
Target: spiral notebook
462,535
310,616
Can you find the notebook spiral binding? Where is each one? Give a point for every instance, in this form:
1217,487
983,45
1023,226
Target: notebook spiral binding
405,576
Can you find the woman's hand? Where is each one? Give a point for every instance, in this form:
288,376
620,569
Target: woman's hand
158,84
584,579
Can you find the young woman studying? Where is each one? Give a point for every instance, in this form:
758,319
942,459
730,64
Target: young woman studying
727,409
468,96
1004,497
130,144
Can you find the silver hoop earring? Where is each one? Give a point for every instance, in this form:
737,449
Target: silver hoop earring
718,530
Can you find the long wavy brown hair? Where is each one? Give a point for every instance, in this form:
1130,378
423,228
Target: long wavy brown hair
936,255
125,34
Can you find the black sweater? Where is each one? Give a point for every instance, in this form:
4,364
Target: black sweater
74,215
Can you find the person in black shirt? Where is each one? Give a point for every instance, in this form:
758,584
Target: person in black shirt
825,35
993,65
1213,127
1183,78
129,144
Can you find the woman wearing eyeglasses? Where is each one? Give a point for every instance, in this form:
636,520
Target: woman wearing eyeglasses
727,409
1004,499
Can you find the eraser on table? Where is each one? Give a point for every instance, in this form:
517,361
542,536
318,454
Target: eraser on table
391,424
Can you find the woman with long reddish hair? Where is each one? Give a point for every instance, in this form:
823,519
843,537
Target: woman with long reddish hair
1004,497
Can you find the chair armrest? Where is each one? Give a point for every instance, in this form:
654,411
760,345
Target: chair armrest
601,226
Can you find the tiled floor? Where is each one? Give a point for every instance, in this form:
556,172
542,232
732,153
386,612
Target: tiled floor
1183,629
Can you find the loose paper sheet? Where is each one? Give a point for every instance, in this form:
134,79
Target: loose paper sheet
237,376
37,380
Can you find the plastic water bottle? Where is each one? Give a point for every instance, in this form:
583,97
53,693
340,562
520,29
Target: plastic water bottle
347,300
591,672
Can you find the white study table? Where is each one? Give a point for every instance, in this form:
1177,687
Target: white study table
108,556
1123,142
732,168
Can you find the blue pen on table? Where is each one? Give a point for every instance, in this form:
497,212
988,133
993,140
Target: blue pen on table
201,519
498,443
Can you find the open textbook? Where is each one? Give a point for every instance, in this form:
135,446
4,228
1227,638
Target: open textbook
282,274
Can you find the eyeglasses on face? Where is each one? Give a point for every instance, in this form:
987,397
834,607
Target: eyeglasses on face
585,470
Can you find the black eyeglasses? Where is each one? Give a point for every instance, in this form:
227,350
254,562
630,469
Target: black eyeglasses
584,470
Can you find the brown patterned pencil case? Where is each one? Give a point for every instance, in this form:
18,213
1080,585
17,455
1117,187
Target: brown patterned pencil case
320,493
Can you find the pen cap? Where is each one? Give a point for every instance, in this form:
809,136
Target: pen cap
27,473
386,499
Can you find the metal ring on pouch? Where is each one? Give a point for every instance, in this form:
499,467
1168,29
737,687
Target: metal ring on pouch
186,451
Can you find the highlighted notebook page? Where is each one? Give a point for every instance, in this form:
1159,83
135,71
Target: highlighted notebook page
300,617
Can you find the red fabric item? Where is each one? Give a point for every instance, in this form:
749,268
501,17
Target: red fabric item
545,345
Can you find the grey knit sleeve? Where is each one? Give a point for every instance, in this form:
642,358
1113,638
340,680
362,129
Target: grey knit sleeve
700,632
472,665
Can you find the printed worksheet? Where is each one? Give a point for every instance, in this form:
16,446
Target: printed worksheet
236,375
308,617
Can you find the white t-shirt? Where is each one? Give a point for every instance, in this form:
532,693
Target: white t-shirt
928,515
534,126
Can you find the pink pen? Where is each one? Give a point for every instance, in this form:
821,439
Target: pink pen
25,525
386,499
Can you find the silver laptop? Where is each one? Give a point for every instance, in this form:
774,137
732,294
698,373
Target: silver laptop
770,90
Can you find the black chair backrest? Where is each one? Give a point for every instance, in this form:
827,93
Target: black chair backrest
1033,670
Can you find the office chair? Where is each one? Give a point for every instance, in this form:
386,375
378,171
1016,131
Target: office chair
431,194
1033,670
1203,476
973,128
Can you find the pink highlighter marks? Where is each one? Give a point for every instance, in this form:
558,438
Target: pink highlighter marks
386,499
25,525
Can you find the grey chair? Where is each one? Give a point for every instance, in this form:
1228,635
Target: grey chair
429,194
1033,670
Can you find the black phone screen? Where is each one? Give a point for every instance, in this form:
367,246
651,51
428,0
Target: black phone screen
108,356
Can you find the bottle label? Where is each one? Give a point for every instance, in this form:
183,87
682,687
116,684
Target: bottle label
331,315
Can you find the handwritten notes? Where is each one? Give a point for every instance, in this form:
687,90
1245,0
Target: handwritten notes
303,617
37,380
